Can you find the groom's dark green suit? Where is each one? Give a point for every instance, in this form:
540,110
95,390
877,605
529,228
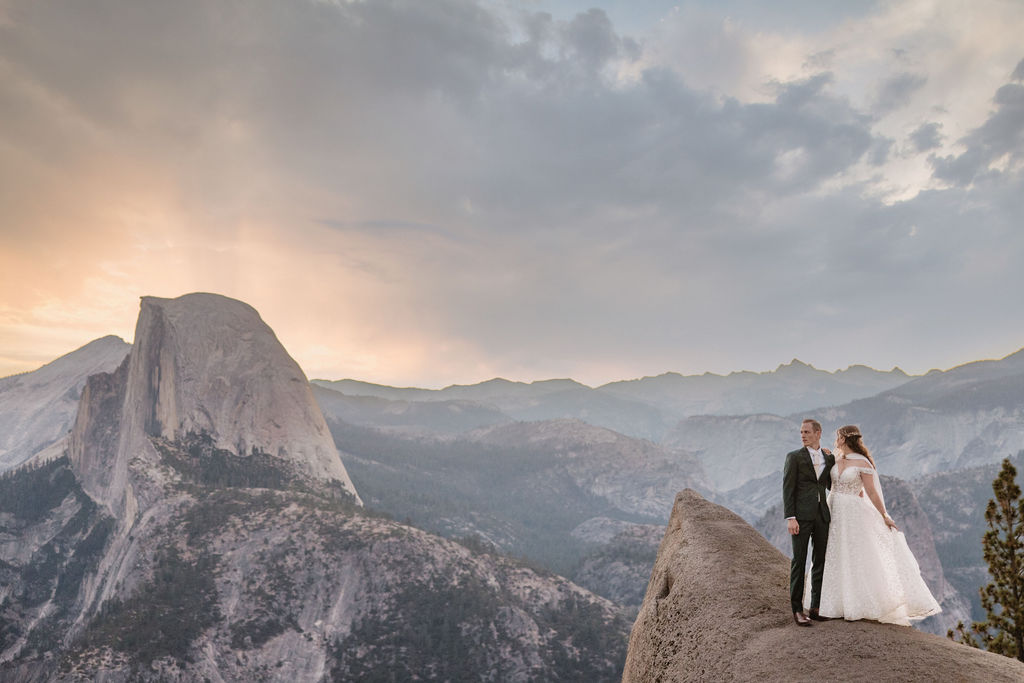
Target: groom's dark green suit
803,497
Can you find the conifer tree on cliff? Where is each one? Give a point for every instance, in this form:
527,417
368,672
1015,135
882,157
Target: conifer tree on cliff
1003,598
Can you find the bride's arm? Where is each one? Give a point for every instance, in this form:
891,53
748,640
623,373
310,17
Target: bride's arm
872,490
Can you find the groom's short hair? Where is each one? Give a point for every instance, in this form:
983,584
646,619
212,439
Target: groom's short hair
815,425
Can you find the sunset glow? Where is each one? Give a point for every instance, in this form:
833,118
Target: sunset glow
434,193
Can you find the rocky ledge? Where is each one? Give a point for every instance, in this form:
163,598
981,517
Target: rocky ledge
716,608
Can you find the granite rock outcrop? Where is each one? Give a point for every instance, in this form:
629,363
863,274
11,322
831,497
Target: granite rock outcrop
202,526
716,608
206,366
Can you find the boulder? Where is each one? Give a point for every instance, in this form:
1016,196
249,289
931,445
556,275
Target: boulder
717,608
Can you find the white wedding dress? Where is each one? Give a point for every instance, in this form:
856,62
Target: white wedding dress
870,572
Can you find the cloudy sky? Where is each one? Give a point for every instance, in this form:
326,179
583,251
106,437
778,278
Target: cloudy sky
431,192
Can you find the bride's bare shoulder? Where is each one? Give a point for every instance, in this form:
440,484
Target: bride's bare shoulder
863,464
857,462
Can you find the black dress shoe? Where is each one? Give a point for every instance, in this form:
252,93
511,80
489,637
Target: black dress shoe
817,617
801,619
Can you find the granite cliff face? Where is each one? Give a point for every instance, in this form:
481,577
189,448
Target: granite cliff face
717,608
202,364
203,527
735,450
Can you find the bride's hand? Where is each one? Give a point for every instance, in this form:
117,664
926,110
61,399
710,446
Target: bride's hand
889,523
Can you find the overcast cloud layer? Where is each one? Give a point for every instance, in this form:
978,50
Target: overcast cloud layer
422,193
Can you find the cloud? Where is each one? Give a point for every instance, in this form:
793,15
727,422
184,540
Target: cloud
897,91
591,39
1000,139
1018,72
926,137
439,192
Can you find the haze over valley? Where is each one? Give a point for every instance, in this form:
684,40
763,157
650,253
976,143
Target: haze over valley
570,480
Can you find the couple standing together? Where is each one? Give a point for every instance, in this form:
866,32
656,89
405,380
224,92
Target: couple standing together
861,566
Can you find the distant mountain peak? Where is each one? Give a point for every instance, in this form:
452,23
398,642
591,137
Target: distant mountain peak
106,340
493,382
38,407
564,382
795,365
858,367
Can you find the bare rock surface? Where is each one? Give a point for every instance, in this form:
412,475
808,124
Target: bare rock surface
202,364
209,363
257,584
202,527
716,608
37,408
756,445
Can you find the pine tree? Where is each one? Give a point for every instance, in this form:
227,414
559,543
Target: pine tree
1003,598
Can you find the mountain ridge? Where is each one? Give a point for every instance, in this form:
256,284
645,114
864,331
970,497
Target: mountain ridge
353,384
174,541
38,407
943,421
647,407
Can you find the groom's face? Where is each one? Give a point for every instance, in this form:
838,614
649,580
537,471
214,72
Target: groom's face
809,437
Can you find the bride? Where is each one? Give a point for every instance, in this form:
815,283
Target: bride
870,572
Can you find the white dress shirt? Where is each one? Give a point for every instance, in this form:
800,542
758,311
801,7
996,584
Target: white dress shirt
818,460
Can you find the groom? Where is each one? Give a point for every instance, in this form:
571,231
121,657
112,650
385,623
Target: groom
804,481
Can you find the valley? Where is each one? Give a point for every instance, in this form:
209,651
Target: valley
506,526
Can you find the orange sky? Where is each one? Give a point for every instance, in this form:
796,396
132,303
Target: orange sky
427,194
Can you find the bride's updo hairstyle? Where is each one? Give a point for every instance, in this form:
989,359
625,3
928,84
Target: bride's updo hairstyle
855,442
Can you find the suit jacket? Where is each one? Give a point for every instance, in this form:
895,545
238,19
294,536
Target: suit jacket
803,494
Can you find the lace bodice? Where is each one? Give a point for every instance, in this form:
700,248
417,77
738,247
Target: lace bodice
849,482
